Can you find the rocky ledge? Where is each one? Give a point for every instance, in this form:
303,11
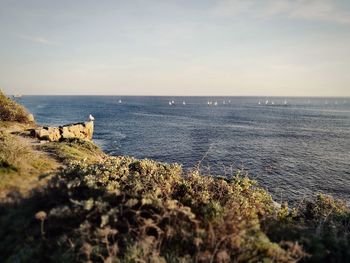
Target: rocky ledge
83,130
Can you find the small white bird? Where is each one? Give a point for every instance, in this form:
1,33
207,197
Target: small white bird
91,118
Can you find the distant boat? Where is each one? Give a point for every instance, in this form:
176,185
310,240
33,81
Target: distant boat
173,102
229,101
17,96
285,102
266,102
215,103
326,102
224,102
183,103
259,102
170,103
120,101
273,103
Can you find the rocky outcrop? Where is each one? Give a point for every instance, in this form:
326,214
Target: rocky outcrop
82,130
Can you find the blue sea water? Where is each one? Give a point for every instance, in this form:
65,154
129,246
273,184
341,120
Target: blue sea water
293,150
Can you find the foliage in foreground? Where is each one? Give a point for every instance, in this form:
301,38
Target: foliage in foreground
126,210
321,225
12,111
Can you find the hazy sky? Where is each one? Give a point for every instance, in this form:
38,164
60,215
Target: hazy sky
175,47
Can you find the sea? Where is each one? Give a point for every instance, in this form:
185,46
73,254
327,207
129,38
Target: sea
294,147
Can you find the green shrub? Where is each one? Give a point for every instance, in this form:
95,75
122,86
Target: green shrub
127,210
321,225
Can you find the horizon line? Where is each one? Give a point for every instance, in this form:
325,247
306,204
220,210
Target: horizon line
142,95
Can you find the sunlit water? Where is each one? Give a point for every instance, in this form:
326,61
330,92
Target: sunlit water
294,148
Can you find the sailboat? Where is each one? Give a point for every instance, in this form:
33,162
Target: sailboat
183,103
120,101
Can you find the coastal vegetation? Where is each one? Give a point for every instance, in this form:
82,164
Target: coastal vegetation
12,111
86,206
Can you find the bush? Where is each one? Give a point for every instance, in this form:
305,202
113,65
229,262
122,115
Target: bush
321,225
127,210
12,111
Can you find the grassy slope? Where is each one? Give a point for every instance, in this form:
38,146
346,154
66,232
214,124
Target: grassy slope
26,164
23,161
21,165
119,209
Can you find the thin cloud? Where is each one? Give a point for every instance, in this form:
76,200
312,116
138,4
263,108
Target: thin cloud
312,10
36,39
232,7
321,11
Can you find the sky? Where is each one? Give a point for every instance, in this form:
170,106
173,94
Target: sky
175,47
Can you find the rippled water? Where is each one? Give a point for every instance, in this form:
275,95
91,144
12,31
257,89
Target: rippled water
293,150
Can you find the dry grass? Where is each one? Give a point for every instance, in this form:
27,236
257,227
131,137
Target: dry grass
20,164
12,111
73,150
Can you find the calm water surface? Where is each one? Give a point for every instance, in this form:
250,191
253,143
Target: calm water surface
293,150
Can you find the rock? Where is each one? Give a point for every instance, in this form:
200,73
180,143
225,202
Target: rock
51,134
65,133
89,128
54,134
42,133
82,131
30,118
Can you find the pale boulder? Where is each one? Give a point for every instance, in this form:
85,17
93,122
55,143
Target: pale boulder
30,118
51,134
82,131
42,133
54,134
89,129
